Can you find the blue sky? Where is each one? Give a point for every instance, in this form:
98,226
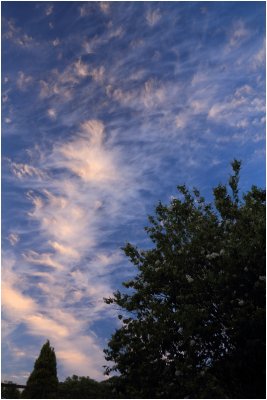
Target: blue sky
106,108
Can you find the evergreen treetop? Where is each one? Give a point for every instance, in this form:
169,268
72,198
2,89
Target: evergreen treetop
43,381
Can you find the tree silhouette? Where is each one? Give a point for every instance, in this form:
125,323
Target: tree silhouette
10,392
193,323
83,387
43,381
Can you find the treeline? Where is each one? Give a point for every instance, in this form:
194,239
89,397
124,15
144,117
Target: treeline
193,323
43,383
75,387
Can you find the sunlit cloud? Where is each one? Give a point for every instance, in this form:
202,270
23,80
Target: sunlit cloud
260,56
80,360
116,33
62,83
153,93
41,325
52,113
87,156
14,301
13,238
24,170
16,35
45,259
237,108
81,69
104,6
65,250
181,120
24,81
238,33
85,10
153,17
98,74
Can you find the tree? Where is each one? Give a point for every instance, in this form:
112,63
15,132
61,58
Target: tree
43,381
81,387
10,392
193,321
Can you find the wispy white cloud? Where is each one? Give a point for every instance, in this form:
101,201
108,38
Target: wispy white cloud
70,214
243,91
13,238
85,10
21,170
56,42
116,32
15,302
61,326
98,74
45,259
104,6
49,9
153,17
81,69
61,84
238,33
79,359
181,120
65,250
51,112
16,35
260,57
151,94
24,81
40,325
87,156
90,45
237,108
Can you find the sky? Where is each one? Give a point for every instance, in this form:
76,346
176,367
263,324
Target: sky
106,108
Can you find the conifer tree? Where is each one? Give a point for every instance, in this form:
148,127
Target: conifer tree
43,381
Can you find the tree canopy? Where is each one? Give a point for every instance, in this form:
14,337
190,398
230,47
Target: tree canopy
10,391
43,382
81,387
193,318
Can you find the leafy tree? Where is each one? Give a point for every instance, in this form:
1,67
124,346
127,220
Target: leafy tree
193,320
43,381
10,392
112,388
76,387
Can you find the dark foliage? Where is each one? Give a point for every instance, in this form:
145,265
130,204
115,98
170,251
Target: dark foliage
10,392
193,322
43,381
82,388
